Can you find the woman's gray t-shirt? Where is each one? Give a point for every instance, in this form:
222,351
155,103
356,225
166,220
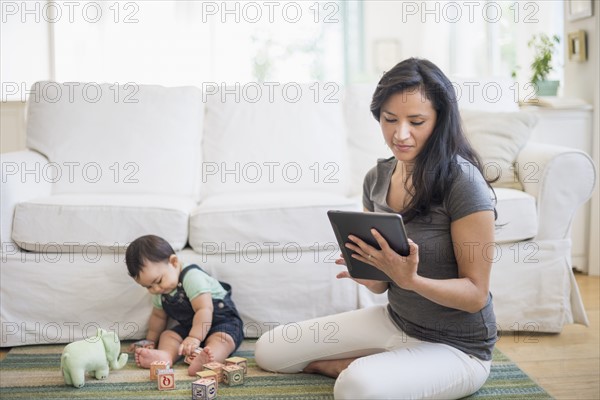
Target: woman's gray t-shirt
472,333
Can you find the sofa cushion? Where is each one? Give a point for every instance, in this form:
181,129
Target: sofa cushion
73,222
266,221
517,216
498,138
277,139
126,139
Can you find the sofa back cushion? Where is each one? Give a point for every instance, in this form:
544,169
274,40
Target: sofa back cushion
498,138
129,139
281,138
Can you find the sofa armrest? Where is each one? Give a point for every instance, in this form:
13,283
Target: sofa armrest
23,178
561,179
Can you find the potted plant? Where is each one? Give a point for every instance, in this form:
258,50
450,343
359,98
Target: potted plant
544,48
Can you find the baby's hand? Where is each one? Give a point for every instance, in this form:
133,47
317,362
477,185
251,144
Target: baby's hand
188,346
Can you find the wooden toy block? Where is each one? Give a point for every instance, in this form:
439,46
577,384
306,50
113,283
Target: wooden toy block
157,365
190,358
233,375
204,389
146,344
209,375
239,361
217,368
165,379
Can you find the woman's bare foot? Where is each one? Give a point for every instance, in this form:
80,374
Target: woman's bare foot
145,357
330,368
204,357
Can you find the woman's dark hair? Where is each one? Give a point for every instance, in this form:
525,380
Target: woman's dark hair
146,248
436,165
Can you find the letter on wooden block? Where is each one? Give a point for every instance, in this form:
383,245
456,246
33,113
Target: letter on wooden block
239,361
157,365
146,344
165,379
209,375
204,389
190,358
217,368
233,375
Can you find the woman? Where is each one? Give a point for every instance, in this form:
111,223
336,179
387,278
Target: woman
435,337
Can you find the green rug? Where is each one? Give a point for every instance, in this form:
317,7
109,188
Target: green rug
33,372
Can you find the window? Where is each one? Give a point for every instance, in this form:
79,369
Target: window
174,43
177,43
479,38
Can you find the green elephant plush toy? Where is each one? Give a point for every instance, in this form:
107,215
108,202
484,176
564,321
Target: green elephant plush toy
94,354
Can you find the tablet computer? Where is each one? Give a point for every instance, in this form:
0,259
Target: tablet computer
359,224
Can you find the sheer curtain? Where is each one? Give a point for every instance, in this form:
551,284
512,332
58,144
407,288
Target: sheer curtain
176,43
172,43
192,42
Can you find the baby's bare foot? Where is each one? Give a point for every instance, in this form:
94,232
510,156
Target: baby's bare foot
145,357
204,357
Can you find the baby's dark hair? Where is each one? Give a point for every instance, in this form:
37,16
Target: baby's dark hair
146,248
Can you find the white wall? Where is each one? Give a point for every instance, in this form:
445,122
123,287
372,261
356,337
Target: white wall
391,20
25,58
25,49
455,34
582,81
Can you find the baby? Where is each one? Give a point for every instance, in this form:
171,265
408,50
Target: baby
208,320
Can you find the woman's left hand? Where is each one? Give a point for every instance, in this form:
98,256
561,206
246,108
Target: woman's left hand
403,270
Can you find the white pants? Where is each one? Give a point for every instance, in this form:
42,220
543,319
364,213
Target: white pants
392,365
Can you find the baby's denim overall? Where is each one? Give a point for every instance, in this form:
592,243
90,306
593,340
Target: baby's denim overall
225,316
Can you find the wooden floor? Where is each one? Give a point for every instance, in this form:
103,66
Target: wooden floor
566,365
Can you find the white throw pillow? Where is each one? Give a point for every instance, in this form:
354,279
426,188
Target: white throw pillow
498,138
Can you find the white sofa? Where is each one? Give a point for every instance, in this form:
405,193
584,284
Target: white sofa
239,180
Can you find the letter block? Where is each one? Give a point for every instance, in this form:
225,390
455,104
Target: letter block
158,365
145,344
165,379
204,389
190,358
217,368
239,361
233,375
209,375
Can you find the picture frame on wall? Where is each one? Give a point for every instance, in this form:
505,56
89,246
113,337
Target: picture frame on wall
577,46
579,9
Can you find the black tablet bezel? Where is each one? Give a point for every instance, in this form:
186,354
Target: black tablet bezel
389,225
